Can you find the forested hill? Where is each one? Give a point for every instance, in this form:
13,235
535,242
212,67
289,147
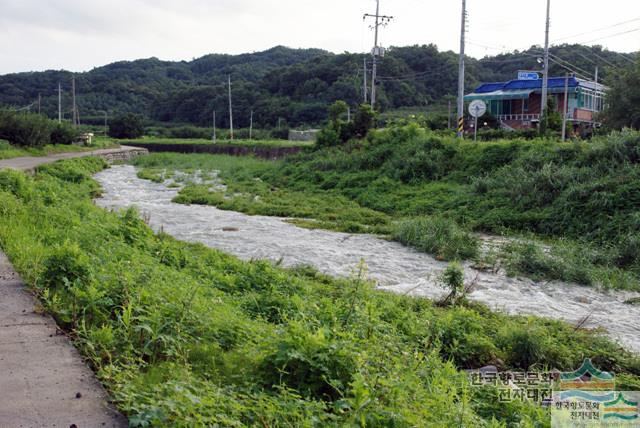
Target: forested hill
293,84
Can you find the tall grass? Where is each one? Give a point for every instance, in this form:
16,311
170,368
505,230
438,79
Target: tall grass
439,236
584,197
184,335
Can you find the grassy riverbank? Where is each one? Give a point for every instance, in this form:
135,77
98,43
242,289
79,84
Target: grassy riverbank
8,151
576,204
236,142
183,335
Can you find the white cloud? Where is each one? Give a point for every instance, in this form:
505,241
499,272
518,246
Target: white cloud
82,34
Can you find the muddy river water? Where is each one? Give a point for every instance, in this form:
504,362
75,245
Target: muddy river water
393,266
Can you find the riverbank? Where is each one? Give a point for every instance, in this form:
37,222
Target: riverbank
264,151
390,265
181,333
31,163
8,151
562,202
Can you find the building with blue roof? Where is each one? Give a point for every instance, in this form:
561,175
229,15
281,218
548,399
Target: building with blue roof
516,103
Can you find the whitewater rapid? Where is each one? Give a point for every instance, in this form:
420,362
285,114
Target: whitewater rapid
391,265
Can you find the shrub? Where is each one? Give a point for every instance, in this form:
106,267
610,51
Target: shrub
67,264
452,279
63,133
316,363
14,182
190,132
126,126
439,236
25,129
328,137
527,347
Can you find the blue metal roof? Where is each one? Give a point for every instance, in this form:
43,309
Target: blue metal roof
518,85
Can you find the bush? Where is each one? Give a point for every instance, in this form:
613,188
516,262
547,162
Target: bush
126,126
439,236
313,362
25,129
190,132
453,280
63,133
66,265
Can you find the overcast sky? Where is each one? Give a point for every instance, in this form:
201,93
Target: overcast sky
79,35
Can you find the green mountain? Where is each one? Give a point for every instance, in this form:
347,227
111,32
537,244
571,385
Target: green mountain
295,85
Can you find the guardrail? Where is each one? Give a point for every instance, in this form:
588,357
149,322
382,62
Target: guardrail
522,117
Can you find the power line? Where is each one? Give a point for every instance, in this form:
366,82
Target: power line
598,30
613,35
604,60
563,64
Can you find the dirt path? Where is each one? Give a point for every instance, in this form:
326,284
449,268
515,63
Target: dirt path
44,381
30,163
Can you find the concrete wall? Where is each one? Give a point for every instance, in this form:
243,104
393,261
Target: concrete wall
124,155
263,152
309,135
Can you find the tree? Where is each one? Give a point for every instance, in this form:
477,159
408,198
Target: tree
63,133
336,110
25,129
551,120
126,126
363,121
623,99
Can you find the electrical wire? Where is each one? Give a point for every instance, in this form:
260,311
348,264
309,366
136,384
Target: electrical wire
598,30
613,35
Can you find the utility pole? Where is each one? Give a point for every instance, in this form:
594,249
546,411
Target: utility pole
73,101
377,51
59,103
364,87
595,96
39,102
230,110
214,127
565,107
251,126
463,30
348,114
545,72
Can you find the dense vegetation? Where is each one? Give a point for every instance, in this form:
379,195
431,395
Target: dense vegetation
183,335
126,126
34,130
624,98
293,85
581,197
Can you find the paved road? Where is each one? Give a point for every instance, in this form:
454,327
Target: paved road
44,381
31,163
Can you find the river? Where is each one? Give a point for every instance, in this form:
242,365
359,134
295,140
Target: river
393,266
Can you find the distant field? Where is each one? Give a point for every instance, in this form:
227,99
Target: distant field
193,141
